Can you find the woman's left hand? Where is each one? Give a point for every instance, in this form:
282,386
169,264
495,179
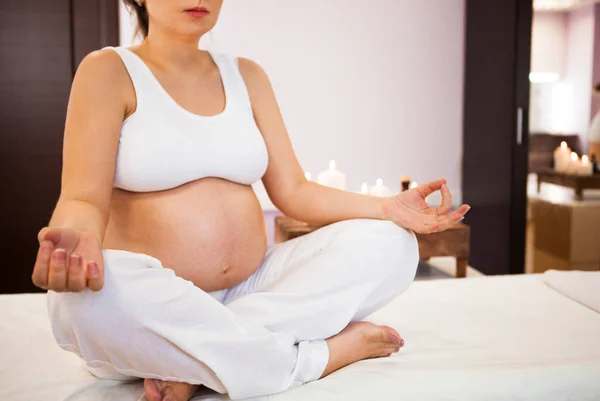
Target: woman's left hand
408,209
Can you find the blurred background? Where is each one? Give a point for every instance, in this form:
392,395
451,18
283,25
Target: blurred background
480,92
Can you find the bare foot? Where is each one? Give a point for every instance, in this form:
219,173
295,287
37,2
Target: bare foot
358,341
158,390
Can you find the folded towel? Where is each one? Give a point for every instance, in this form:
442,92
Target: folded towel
580,286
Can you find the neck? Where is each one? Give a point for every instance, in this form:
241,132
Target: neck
172,49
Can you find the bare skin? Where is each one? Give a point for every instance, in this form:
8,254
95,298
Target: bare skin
358,341
209,231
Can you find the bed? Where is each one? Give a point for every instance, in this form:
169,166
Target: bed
527,337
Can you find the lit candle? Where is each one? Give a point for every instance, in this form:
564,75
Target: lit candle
404,183
332,177
562,157
573,164
307,175
364,189
379,189
585,167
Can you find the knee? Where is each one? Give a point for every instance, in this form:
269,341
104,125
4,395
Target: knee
374,228
88,322
397,251
394,239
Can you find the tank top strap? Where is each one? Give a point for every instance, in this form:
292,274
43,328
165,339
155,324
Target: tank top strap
136,69
233,82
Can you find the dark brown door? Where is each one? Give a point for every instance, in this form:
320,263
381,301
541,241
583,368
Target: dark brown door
41,43
495,140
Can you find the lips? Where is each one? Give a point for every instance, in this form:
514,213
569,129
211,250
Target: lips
197,12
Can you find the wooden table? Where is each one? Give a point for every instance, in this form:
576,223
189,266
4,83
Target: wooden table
453,242
577,182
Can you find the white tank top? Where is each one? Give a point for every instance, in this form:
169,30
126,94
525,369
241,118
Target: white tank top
162,145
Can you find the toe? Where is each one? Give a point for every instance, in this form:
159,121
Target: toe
178,391
392,331
151,390
169,394
393,336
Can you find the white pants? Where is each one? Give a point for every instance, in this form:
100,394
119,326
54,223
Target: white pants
259,337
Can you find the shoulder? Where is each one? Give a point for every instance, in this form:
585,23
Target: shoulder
250,67
102,67
250,70
254,75
103,61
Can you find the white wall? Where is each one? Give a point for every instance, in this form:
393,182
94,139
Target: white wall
126,27
563,43
377,86
579,64
549,42
548,113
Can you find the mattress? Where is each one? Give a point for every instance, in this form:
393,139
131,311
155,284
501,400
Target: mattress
488,338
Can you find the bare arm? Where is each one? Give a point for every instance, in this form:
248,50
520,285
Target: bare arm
308,201
94,115
284,179
69,257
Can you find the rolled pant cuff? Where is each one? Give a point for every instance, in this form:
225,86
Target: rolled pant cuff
312,361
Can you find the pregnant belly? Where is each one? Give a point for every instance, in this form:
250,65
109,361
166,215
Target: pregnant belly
210,231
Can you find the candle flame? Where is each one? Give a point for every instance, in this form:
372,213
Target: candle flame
379,182
563,145
332,165
413,185
574,156
584,159
364,188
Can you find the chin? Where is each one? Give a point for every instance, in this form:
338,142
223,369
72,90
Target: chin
194,31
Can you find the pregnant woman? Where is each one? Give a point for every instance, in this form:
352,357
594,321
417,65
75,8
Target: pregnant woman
155,257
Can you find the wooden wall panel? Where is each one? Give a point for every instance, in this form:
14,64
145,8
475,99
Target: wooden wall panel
37,64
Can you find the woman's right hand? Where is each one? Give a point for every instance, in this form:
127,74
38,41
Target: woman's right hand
68,260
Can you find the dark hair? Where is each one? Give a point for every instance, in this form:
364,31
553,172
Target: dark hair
142,16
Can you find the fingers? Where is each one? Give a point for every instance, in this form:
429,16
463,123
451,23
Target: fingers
50,234
458,214
452,219
76,280
427,189
57,275
95,276
446,205
55,269
434,222
462,210
42,234
41,267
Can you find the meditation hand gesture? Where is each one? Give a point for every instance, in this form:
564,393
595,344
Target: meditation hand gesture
68,260
409,209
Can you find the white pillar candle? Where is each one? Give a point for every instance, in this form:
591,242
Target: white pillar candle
332,177
379,189
364,189
585,167
562,157
573,164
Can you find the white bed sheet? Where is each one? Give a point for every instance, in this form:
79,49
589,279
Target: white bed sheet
489,338
580,286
